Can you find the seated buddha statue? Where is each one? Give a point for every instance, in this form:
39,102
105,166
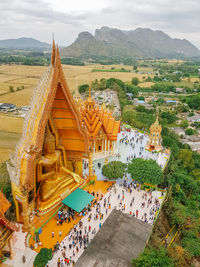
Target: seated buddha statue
53,176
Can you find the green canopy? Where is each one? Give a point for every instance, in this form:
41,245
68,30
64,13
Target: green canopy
78,200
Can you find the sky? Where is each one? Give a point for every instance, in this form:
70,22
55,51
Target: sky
67,18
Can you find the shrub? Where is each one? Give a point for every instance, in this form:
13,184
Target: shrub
43,257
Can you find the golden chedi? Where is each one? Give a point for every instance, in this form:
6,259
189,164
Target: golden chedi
155,140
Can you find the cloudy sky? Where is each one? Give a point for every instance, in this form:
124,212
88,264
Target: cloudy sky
66,18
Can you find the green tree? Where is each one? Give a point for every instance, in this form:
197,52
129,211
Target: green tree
83,88
189,131
145,171
43,257
184,124
114,170
11,88
135,81
168,116
152,257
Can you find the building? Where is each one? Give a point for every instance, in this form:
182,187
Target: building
195,118
47,164
6,107
155,139
6,229
180,90
102,128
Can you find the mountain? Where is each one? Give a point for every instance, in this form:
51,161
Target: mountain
140,43
22,43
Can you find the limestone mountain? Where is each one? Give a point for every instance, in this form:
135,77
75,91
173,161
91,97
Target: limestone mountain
139,43
23,43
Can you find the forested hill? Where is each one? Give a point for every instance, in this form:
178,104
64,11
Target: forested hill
23,43
139,44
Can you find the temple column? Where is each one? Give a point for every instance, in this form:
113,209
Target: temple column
10,245
90,164
25,214
102,148
105,147
108,147
94,148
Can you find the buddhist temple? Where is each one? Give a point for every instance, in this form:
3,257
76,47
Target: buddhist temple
6,228
101,126
58,133
47,164
155,140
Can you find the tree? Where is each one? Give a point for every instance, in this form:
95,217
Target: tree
169,117
43,257
135,81
83,88
154,258
11,88
189,131
114,170
145,171
184,124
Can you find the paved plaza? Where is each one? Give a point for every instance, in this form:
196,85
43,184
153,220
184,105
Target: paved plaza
133,145
135,202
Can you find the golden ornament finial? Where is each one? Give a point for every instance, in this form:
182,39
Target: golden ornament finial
53,52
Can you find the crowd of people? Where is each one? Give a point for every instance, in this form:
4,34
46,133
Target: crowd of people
128,198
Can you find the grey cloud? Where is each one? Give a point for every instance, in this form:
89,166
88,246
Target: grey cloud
39,10
179,17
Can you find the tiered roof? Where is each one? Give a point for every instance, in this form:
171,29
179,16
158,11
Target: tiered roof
96,117
156,127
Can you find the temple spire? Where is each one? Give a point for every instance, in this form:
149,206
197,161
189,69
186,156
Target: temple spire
58,60
53,52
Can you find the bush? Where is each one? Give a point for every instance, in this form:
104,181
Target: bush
43,257
114,170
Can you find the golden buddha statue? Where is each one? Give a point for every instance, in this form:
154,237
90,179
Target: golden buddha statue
54,178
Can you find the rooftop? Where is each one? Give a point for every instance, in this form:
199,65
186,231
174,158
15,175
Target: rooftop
121,238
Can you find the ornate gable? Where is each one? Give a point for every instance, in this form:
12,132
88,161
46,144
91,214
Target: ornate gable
51,99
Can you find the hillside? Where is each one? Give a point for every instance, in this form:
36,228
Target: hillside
22,43
140,43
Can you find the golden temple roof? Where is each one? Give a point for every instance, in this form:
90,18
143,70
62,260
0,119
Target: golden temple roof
5,204
96,117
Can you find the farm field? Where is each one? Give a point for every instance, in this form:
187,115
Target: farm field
28,76
10,132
